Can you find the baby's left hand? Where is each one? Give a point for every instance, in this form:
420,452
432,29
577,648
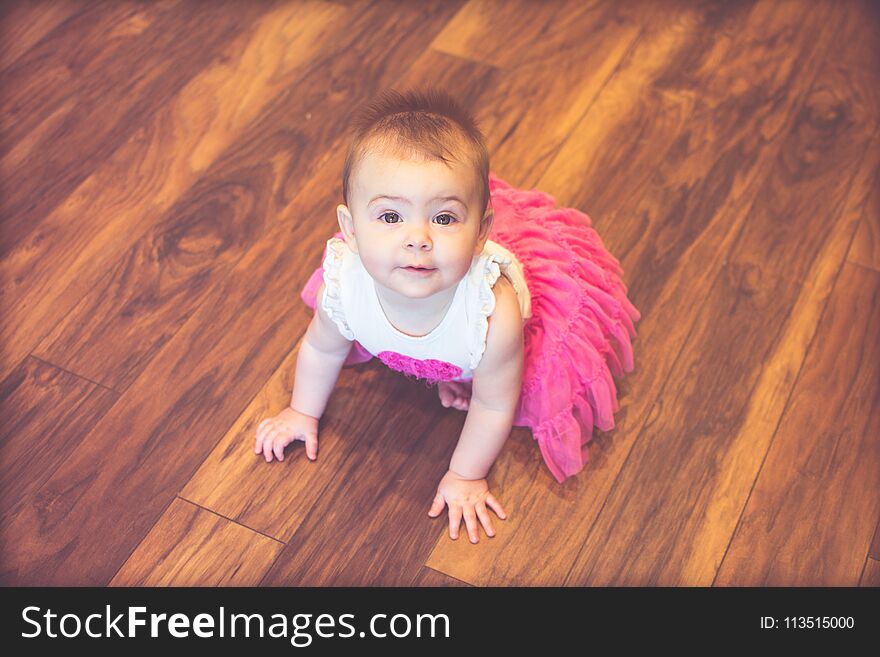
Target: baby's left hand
467,497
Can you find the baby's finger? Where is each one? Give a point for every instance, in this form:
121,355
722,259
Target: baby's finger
484,518
496,506
437,506
268,443
261,433
281,441
454,520
312,445
470,519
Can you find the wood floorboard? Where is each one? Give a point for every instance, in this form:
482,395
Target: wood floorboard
874,552
140,268
25,24
822,462
865,248
46,414
370,526
560,62
871,573
427,577
190,546
669,77
169,180
70,111
693,498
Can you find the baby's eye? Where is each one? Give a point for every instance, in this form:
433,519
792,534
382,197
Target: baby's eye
451,219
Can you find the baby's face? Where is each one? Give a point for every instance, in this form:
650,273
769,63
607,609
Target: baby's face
420,228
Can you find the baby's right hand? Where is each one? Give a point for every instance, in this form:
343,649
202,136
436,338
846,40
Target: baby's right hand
276,433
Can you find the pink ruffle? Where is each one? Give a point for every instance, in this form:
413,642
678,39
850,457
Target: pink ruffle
580,313
580,330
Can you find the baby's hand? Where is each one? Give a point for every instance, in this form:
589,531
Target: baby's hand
276,433
468,497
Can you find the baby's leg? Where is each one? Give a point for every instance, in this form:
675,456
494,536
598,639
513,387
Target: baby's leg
455,393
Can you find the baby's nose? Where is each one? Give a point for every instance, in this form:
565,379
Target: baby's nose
419,241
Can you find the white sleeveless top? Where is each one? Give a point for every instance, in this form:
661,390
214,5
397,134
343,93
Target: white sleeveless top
351,300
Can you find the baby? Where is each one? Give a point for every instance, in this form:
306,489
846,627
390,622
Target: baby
417,215
447,273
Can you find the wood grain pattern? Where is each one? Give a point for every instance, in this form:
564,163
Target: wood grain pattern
707,471
562,54
26,23
822,462
196,210
46,413
431,578
874,552
276,498
370,525
865,248
871,573
667,79
190,546
87,84
170,173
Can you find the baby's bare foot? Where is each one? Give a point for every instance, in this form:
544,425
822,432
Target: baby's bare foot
456,394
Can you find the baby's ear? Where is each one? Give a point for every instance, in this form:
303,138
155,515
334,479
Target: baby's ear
346,225
485,228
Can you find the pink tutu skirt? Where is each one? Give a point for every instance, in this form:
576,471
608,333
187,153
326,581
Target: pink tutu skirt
580,330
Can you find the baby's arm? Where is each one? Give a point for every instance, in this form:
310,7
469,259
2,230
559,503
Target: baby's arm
321,356
496,388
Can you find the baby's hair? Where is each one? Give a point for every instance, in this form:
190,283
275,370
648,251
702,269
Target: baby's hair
426,123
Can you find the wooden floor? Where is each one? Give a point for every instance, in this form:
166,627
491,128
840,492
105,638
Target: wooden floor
170,172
